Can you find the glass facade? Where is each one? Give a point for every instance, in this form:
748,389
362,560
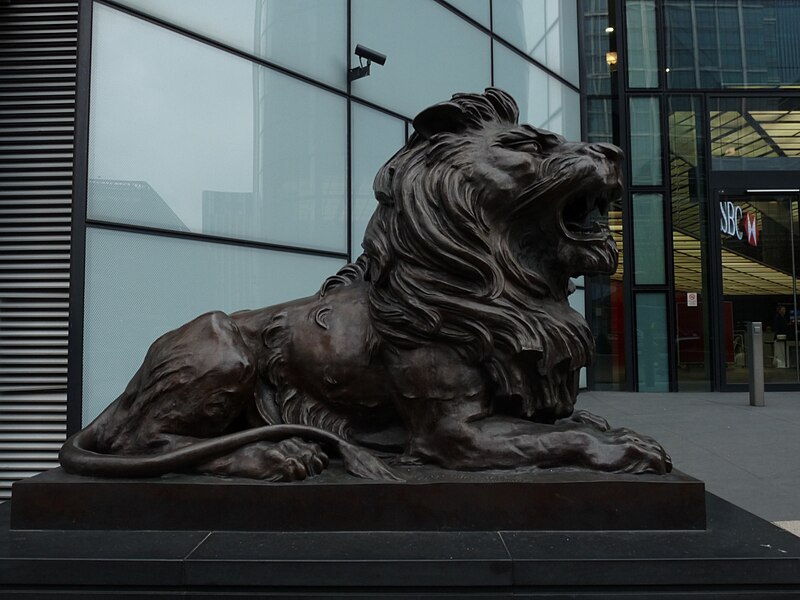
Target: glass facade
711,153
235,129
652,356
689,192
640,26
645,128
545,31
648,239
606,292
140,286
733,44
230,162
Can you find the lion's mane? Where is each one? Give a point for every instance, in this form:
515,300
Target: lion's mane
439,273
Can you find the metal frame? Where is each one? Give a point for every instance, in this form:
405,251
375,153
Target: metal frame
77,268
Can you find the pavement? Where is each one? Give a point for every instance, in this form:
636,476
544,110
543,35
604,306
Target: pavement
747,455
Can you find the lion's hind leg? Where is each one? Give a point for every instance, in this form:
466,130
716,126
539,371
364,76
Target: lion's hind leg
198,383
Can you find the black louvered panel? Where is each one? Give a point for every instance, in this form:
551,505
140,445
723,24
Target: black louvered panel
38,54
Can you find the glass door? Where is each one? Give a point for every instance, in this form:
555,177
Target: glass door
759,247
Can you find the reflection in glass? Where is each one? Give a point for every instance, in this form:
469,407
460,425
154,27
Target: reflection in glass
759,239
760,134
645,118
648,238
141,286
689,242
306,36
651,342
608,315
376,137
714,44
599,38
607,298
543,101
432,54
642,46
600,115
187,137
546,31
475,9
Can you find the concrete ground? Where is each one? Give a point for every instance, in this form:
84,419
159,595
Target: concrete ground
747,455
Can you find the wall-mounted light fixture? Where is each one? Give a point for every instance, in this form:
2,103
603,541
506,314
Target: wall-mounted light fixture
611,59
363,53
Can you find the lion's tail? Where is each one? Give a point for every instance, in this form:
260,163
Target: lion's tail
77,458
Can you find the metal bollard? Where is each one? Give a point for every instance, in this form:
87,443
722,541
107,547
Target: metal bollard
754,346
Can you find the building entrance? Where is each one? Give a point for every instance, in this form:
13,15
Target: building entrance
759,257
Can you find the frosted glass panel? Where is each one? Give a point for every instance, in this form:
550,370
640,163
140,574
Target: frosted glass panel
546,30
543,101
307,36
376,137
476,9
187,137
141,286
431,54
648,239
651,342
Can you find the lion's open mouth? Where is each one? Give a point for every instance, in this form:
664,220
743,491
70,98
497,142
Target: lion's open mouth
583,216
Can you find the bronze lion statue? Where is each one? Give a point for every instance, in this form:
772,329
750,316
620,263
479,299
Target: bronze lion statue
449,341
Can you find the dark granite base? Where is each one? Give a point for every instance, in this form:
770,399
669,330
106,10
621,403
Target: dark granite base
429,500
738,556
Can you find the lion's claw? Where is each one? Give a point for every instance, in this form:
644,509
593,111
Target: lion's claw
641,454
288,460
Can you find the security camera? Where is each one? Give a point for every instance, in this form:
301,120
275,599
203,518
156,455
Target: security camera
362,70
370,55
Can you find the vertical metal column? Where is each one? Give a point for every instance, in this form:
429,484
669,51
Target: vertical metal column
755,362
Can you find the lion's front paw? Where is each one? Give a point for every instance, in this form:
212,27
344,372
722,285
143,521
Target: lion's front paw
288,460
631,452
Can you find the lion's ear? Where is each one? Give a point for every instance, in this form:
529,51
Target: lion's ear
439,118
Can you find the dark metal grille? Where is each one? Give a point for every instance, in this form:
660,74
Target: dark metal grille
38,57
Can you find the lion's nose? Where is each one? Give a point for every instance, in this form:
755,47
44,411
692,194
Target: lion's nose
610,151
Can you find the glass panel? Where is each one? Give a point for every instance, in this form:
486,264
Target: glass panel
543,100
759,236
759,134
600,114
714,44
186,137
645,141
642,43
599,47
307,36
546,30
689,242
607,295
376,137
141,286
475,9
651,342
648,238
431,54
